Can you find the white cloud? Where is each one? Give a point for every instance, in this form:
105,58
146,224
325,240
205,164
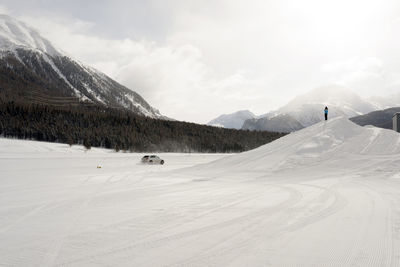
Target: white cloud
194,60
367,76
172,77
4,10
177,79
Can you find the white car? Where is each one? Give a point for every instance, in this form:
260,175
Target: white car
152,159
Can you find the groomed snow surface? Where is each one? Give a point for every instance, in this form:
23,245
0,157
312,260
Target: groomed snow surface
328,195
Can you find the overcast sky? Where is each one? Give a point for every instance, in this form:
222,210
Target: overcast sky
197,59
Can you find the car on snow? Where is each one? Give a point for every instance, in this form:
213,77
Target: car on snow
152,159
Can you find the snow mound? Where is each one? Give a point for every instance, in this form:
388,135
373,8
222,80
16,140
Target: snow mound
337,142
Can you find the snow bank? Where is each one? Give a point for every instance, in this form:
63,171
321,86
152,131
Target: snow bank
322,145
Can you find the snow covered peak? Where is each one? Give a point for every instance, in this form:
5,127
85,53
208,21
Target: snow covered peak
332,95
16,34
23,46
307,109
233,120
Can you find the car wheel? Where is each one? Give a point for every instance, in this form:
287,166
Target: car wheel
162,162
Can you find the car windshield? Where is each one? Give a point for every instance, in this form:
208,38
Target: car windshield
153,156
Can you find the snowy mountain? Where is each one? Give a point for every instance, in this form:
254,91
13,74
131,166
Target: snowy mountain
33,70
233,120
307,109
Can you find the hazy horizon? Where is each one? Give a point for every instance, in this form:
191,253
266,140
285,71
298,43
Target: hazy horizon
197,60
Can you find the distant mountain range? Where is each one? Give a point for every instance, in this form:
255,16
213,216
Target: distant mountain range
379,118
307,109
32,70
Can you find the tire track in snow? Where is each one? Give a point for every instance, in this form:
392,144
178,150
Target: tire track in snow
175,226
278,225
388,242
293,197
23,218
352,257
338,203
263,218
52,255
39,208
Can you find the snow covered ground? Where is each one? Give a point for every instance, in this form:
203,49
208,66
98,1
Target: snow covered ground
328,195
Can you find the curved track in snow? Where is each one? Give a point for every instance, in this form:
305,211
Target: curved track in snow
328,195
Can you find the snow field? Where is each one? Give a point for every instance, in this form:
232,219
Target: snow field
328,195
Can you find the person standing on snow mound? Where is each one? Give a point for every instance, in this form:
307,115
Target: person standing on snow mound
326,113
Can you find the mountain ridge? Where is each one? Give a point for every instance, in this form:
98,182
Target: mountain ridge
378,118
233,120
41,73
307,109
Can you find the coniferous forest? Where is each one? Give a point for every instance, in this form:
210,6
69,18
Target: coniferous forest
99,126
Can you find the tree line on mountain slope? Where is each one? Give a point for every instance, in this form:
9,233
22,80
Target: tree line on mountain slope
98,126
33,79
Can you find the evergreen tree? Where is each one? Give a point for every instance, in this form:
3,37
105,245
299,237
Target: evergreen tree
99,126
